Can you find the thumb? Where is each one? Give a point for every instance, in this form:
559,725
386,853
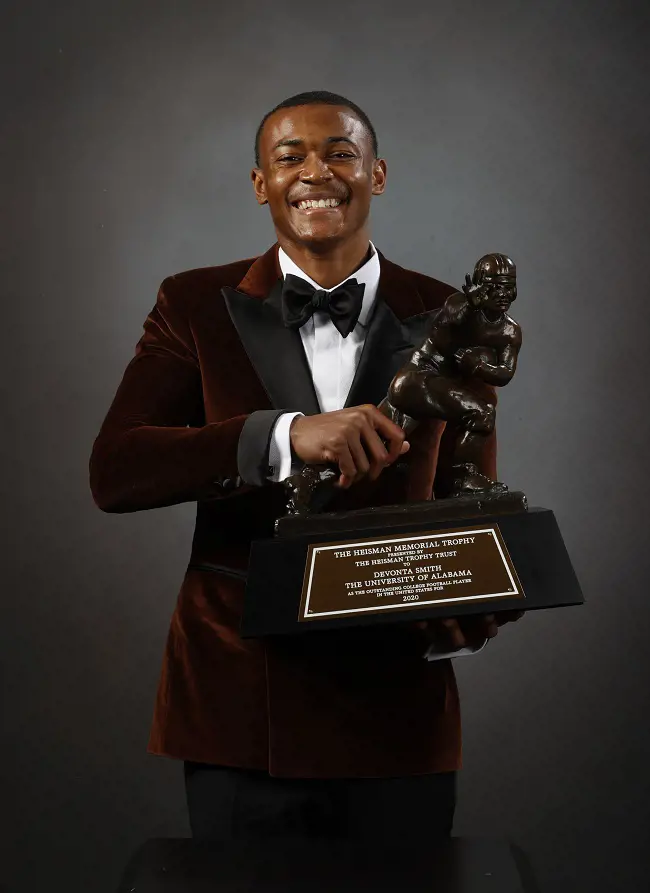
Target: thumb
406,446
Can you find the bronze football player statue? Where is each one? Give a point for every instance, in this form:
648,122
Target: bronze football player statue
471,342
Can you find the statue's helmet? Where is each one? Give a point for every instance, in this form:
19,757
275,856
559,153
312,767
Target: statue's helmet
494,265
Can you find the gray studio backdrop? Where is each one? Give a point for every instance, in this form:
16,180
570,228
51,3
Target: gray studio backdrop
127,143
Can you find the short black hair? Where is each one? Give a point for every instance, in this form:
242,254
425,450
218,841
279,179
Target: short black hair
317,97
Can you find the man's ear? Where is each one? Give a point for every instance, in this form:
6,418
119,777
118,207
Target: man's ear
259,186
378,176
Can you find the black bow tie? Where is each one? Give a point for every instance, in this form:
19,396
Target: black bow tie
300,299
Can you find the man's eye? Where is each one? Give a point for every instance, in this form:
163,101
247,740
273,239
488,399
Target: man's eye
290,158
343,155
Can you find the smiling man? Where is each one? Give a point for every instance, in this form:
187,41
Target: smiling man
244,372
317,168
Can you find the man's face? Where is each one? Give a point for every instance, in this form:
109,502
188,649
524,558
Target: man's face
317,173
501,292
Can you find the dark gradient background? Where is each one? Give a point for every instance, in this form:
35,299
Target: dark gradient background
127,143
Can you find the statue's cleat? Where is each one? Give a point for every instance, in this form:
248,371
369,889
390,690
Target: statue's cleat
469,480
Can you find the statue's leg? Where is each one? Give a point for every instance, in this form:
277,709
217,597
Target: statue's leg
475,419
418,394
476,422
475,425
426,394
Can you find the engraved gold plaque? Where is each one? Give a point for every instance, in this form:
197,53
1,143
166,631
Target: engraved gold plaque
402,573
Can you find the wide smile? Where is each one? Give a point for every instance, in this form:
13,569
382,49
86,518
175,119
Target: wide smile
319,206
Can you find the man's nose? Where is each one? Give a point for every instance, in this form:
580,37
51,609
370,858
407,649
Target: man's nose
315,170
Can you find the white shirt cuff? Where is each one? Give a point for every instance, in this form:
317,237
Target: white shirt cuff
433,654
281,463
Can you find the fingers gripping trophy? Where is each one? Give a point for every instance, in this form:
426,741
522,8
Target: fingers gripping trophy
472,342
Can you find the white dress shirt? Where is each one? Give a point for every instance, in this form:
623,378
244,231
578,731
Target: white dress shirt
332,359
333,362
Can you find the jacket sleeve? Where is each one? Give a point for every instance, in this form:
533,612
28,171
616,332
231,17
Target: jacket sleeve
153,448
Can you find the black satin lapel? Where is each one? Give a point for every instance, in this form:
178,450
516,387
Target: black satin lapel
389,344
276,352
385,349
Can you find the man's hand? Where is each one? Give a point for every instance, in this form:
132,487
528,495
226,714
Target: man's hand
454,634
360,440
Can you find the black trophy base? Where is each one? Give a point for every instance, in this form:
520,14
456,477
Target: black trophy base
527,544
394,516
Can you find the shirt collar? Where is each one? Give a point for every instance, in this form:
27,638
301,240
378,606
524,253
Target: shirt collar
367,275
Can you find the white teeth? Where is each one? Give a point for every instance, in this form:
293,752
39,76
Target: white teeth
321,203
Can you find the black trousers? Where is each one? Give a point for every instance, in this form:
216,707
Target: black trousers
226,803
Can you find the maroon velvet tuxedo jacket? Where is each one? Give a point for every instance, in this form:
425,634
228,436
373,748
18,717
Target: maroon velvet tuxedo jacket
191,421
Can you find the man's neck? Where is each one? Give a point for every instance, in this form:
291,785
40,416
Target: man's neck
328,268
